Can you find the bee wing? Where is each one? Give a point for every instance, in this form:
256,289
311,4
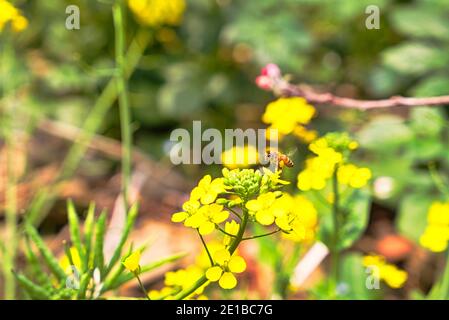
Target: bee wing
292,151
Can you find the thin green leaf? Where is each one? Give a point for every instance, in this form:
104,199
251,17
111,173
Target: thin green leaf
131,218
84,282
75,233
35,264
89,225
47,255
99,243
35,291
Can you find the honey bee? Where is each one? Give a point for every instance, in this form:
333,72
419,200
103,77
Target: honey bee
279,160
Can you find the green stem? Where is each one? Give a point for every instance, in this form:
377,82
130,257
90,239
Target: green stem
262,235
123,97
205,247
444,289
45,198
201,281
335,252
142,287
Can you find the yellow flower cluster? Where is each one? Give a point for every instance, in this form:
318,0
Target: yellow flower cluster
158,12
240,157
10,14
436,235
389,273
295,216
330,152
289,115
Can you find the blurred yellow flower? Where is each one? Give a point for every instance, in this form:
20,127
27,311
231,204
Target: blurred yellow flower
240,157
353,176
436,235
287,114
226,266
207,190
261,208
304,134
158,12
9,13
132,262
389,273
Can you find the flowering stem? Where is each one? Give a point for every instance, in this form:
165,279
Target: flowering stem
238,238
205,247
123,96
226,233
335,237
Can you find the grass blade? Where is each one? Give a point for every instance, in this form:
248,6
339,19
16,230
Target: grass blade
99,243
35,291
75,233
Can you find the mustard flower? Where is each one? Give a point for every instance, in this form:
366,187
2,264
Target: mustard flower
389,273
286,114
261,208
10,14
224,271
190,208
436,235
207,190
132,262
158,12
206,218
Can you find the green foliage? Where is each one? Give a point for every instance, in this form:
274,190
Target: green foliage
88,276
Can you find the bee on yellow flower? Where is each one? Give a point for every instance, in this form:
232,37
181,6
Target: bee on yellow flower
10,14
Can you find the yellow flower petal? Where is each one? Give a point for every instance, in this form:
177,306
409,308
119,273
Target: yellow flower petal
179,216
265,217
227,281
214,273
222,256
206,228
253,205
237,264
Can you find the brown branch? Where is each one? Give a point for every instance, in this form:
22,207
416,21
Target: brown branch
314,97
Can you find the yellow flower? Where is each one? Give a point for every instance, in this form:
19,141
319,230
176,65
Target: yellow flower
353,176
132,262
436,235
65,263
438,213
316,173
190,208
230,228
207,190
226,266
240,157
9,13
158,12
261,208
389,273
286,114
296,216
304,134
206,218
